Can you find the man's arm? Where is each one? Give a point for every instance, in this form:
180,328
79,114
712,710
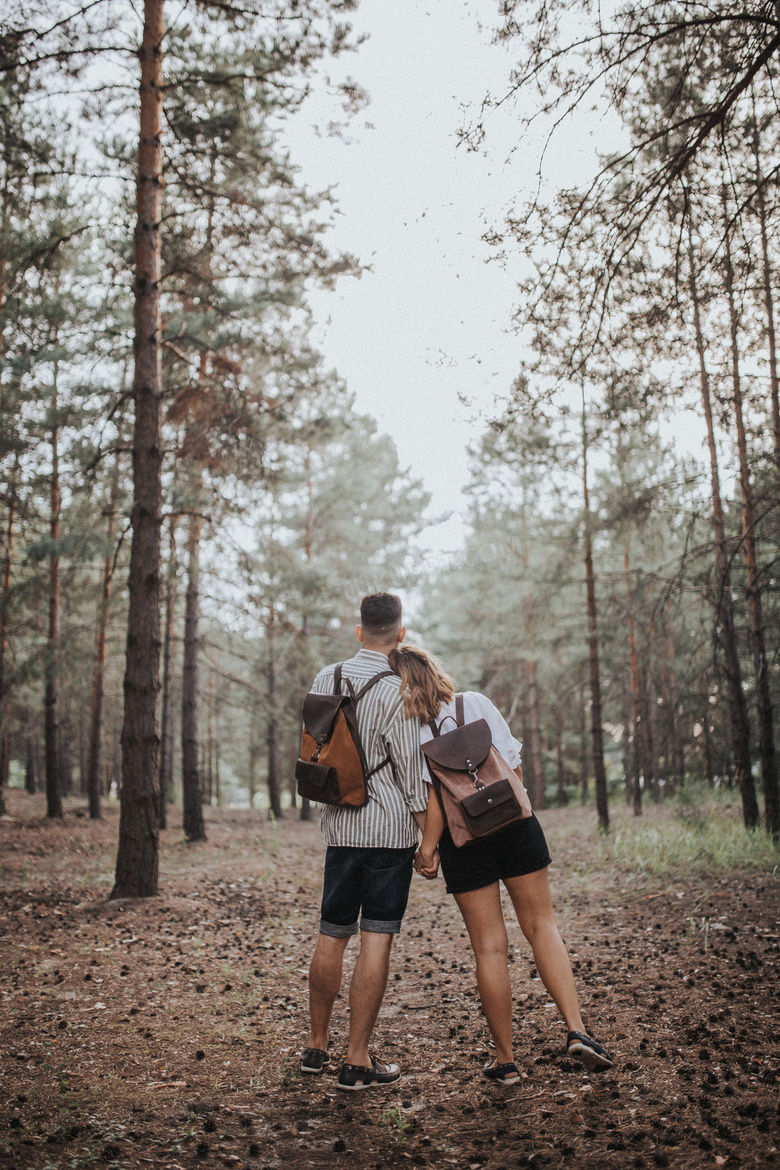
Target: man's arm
403,745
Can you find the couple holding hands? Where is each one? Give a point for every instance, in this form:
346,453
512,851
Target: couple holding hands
371,851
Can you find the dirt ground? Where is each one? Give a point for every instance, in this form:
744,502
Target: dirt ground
167,1032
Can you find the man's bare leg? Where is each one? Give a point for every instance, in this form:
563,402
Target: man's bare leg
366,991
324,984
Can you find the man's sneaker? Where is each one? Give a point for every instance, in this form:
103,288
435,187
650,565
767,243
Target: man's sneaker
588,1052
314,1060
355,1076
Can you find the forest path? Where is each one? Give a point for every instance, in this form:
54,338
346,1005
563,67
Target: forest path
167,1032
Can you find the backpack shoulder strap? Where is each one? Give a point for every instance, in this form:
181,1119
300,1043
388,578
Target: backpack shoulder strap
458,717
337,678
370,683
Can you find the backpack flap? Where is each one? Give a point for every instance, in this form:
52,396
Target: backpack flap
319,711
463,749
317,782
491,808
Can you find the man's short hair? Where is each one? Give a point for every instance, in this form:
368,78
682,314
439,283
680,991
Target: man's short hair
380,614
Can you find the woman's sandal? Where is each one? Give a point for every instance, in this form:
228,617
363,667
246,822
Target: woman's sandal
588,1052
503,1074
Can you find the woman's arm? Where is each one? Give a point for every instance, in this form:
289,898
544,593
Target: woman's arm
427,862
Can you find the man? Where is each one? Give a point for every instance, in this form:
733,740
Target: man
370,850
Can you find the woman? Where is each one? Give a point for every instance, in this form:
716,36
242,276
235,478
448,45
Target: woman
516,855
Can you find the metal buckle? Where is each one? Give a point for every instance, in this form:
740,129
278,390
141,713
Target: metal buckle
474,774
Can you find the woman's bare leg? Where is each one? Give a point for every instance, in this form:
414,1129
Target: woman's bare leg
532,901
484,919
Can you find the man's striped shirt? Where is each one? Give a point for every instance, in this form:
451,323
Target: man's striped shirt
394,792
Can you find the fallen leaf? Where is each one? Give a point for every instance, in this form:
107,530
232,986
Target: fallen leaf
578,1119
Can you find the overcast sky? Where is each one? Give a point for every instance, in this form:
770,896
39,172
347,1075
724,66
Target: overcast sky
424,338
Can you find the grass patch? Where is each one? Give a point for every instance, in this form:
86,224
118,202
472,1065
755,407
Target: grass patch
696,835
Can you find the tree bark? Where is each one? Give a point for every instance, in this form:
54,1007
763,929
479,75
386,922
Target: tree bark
66,749
709,766
583,738
96,721
32,760
769,305
137,864
766,737
5,731
274,786
535,740
306,809
254,753
217,775
649,710
738,713
166,722
194,829
560,769
51,673
597,730
673,700
636,714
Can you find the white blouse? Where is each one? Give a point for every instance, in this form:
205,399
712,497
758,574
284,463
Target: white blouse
476,706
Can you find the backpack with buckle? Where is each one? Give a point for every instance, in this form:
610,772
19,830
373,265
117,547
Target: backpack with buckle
332,768
479,793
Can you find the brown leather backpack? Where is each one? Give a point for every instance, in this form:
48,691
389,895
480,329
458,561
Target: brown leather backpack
479,793
332,768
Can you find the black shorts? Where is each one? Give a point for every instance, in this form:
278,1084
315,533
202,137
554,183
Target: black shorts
371,885
515,851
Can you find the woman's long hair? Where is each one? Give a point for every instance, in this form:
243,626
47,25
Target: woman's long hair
424,685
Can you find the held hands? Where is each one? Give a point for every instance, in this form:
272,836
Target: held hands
427,864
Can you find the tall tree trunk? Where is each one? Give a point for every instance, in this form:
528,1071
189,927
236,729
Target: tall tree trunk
738,713
584,769
306,809
560,769
210,741
673,698
96,721
217,775
51,673
709,766
628,735
651,708
766,736
254,754
191,794
137,864
597,730
769,305
535,740
66,750
637,734
5,599
32,760
274,786
648,702
166,721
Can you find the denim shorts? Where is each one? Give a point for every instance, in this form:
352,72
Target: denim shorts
369,884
